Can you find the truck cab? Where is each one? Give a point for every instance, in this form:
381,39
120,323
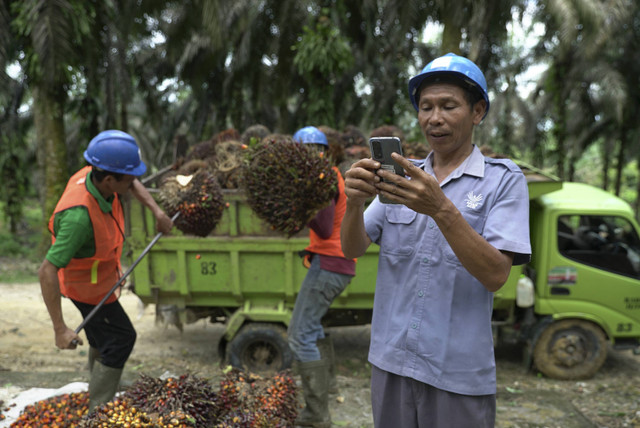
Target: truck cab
581,290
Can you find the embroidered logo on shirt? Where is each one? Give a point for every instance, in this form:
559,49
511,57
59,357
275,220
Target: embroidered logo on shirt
474,201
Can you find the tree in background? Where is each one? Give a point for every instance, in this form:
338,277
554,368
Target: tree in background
14,127
623,55
322,55
48,32
580,89
196,67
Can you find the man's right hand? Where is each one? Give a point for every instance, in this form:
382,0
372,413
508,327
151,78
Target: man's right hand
67,339
360,180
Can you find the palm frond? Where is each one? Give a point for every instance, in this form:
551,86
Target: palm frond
52,34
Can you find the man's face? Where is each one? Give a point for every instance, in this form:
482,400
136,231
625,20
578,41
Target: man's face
446,118
121,187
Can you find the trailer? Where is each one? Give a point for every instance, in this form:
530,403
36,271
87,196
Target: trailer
243,275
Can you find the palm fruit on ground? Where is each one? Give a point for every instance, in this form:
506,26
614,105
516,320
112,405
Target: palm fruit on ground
249,400
287,183
198,198
66,410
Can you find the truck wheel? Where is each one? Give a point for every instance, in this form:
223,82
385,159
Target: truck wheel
260,348
570,349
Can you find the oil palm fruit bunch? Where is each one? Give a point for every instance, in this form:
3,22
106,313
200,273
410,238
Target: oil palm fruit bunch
254,133
178,402
287,183
249,400
188,399
198,197
228,164
204,150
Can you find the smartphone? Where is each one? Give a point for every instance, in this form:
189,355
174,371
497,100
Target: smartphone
381,149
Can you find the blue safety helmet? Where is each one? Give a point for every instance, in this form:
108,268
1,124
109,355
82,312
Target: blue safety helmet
453,65
310,135
115,151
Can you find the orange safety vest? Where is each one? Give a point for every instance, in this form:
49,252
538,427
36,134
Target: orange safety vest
89,279
331,246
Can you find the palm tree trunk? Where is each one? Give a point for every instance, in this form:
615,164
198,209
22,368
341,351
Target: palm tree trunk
48,113
620,162
451,38
606,161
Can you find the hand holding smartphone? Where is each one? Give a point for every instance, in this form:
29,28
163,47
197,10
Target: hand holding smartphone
381,149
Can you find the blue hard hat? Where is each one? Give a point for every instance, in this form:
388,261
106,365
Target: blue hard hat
310,135
115,151
453,65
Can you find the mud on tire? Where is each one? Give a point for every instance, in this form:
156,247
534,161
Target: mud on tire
570,349
260,348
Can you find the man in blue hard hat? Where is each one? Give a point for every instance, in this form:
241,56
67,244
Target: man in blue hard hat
83,262
458,223
328,275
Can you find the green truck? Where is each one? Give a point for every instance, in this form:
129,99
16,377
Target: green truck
579,294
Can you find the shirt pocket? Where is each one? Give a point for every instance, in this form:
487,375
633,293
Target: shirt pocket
477,222
399,233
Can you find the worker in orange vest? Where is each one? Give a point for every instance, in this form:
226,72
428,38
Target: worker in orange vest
329,274
83,262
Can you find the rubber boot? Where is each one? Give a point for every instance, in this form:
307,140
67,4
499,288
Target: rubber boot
94,355
103,384
316,397
325,346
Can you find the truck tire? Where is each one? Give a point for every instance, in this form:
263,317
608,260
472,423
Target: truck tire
260,348
570,349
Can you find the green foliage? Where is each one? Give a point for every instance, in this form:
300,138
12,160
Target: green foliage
322,54
13,174
322,50
231,63
54,30
18,256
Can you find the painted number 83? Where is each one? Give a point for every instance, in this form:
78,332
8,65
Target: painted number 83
208,268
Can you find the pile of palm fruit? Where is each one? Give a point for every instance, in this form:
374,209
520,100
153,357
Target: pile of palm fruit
66,410
241,401
287,183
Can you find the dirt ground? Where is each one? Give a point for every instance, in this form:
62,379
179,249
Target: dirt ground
28,358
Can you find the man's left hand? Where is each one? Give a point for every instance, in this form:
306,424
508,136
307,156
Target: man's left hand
421,192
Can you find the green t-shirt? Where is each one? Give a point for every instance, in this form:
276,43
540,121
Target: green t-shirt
74,231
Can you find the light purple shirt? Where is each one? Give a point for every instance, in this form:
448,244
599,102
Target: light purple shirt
431,318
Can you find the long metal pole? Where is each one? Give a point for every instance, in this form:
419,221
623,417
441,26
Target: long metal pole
122,278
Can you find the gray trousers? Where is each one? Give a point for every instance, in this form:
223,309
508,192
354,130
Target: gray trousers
402,402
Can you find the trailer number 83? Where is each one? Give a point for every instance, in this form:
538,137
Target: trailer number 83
208,268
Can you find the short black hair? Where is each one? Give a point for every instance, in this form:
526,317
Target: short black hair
100,174
471,93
